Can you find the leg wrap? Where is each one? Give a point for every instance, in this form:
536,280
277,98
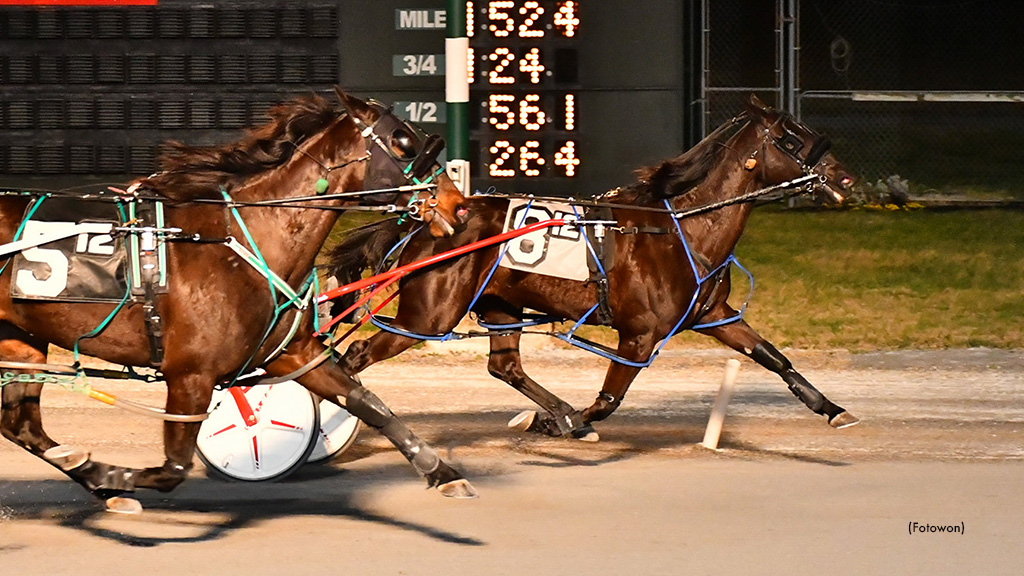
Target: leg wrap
766,355
163,478
422,457
803,390
366,406
570,422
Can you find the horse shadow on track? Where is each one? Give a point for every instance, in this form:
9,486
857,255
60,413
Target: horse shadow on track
204,510
676,429
478,443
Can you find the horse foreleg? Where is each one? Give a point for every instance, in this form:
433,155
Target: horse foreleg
362,354
188,394
331,382
505,363
619,376
744,339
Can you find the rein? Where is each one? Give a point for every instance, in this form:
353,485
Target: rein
677,214
119,195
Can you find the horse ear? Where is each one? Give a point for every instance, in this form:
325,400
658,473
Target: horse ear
759,109
354,105
756,105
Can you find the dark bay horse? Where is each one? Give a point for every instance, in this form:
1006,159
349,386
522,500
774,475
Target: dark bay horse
277,192
652,292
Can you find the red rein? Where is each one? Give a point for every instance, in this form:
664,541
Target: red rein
388,278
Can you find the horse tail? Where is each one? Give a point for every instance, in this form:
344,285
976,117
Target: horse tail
360,249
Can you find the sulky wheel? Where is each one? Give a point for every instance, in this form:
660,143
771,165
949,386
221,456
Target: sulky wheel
338,431
259,433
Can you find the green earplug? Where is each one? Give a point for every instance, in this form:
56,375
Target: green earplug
321,186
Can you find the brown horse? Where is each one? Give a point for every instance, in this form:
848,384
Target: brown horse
276,193
670,270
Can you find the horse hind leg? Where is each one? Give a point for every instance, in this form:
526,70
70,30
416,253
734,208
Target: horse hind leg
768,356
742,338
21,423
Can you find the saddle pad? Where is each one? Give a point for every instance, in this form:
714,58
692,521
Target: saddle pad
82,268
557,251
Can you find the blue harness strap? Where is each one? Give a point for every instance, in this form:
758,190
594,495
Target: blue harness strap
379,321
570,336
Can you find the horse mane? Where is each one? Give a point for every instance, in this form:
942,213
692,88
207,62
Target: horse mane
360,249
192,172
683,173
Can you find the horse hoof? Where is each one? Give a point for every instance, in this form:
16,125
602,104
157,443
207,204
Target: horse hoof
586,433
843,420
123,505
66,457
460,488
522,421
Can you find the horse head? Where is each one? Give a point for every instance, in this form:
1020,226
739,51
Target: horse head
790,149
401,155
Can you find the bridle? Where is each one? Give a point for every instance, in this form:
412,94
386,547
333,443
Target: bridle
395,138
405,148
791,144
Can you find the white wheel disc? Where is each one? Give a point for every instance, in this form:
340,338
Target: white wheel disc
259,433
338,431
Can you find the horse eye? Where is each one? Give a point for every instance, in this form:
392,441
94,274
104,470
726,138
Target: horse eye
403,145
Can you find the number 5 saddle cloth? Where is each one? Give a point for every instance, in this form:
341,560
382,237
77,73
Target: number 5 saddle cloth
86,267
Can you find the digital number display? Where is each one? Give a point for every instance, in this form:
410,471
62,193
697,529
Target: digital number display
523,79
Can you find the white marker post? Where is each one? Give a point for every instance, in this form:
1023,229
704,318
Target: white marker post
714,429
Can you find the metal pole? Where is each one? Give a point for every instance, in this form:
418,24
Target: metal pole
705,65
456,49
787,55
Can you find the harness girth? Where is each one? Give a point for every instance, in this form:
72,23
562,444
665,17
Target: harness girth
601,256
149,277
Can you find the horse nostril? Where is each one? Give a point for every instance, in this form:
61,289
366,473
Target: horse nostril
461,212
846,182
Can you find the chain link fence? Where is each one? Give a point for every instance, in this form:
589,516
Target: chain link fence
930,91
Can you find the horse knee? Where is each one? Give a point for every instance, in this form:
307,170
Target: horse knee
354,358
500,367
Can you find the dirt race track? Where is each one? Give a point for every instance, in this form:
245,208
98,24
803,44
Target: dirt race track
941,444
